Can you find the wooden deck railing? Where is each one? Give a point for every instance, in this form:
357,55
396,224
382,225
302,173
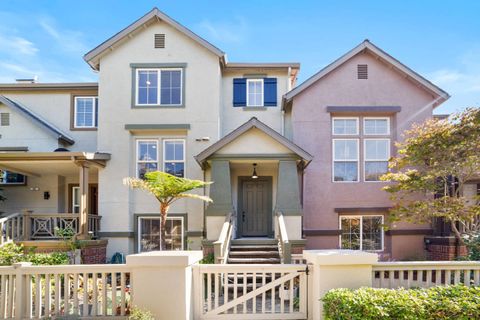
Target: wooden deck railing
11,228
425,274
282,235
41,292
221,247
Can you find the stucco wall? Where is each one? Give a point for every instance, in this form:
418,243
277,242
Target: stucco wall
312,131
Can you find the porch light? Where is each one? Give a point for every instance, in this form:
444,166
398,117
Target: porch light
254,174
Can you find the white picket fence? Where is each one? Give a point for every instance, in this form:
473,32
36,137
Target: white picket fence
250,291
425,274
41,292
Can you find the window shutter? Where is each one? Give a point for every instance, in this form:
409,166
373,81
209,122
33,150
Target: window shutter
239,92
270,92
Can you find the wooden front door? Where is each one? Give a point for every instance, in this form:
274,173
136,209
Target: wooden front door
255,207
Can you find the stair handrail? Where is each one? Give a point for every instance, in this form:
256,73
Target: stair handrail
222,245
284,244
11,228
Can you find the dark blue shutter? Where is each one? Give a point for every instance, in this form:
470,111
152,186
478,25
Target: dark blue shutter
239,92
270,92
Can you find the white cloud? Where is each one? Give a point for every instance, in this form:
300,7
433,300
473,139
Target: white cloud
231,31
66,40
17,45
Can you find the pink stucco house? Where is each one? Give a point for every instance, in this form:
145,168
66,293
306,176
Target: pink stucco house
348,116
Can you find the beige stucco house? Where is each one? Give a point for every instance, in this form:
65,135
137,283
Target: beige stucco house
169,100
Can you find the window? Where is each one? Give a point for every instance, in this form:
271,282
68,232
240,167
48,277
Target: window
85,113
149,238
159,87
4,119
376,126
361,233
255,93
376,154
75,199
174,157
345,126
345,160
147,157
12,178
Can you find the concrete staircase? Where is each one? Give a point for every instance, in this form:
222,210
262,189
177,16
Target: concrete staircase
254,251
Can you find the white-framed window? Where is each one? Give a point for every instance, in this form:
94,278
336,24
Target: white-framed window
376,126
174,157
75,199
376,154
345,160
147,157
159,87
255,93
149,238
344,126
12,178
85,112
362,232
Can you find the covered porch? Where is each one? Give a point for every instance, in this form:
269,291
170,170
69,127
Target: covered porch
50,191
257,175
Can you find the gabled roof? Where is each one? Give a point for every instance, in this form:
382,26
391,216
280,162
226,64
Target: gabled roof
92,57
37,119
368,46
252,123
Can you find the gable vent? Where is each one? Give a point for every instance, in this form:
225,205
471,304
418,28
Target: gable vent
4,119
362,71
159,40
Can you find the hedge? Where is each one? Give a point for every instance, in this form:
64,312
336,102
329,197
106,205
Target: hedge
451,302
12,253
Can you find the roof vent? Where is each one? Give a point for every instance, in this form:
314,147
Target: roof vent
4,119
362,71
159,40
31,80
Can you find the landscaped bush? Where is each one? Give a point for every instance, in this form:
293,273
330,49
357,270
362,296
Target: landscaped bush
12,253
437,303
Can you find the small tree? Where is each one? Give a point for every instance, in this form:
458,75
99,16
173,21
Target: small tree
167,189
433,165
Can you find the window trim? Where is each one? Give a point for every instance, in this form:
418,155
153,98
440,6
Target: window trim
375,160
262,104
94,126
139,227
137,142
357,120
24,183
73,198
377,134
184,161
334,160
159,86
340,217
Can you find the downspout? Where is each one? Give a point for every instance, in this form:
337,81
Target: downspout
289,87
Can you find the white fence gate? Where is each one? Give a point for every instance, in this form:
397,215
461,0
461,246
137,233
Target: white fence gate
229,291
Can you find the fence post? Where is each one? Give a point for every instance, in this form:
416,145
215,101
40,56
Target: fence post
336,269
163,282
20,290
27,224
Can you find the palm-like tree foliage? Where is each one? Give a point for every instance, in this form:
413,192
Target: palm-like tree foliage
167,189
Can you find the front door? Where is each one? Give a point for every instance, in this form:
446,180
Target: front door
255,207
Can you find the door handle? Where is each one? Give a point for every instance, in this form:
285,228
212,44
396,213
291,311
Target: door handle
243,216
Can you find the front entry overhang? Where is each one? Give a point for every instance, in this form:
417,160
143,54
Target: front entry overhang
232,147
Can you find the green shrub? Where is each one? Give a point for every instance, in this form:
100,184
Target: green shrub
208,259
138,314
12,253
437,303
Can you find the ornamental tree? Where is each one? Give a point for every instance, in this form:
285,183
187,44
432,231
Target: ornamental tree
167,189
434,162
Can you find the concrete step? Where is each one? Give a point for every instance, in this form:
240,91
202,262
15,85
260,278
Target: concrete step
259,254
254,241
253,248
254,260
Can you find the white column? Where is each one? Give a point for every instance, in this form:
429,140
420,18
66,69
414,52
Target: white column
163,282
332,269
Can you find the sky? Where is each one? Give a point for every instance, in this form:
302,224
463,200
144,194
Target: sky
438,39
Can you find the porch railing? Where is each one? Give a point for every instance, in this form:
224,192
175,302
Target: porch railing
284,243
425,274
42,292
11,228
221,247
42,226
